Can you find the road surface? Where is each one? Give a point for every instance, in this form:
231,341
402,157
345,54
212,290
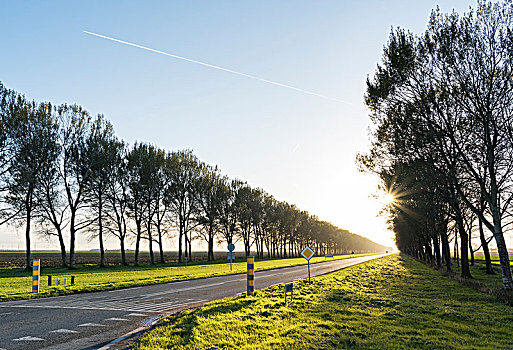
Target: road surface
100,320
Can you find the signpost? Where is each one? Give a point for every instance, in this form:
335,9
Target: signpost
231,254
308,253
288,289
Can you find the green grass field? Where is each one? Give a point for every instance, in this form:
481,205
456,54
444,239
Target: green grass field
17,283
494,258
389,303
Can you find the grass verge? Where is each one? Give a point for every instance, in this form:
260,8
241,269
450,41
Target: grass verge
16,284
390,303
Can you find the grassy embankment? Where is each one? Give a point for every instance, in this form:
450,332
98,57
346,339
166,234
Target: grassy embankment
16,283
389,303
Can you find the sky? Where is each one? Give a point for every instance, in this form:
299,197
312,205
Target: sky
299,147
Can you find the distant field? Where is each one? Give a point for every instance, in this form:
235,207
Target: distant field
494,258
53,259
389,303
16,283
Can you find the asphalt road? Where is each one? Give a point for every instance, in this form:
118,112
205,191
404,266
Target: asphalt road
98,320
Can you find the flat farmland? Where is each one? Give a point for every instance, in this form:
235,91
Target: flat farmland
16,259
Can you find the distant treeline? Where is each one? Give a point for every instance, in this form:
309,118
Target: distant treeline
64,173
442,106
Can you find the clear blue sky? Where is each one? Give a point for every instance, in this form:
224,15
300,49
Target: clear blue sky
298,147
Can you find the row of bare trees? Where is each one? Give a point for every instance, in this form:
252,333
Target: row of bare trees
66,174
442,106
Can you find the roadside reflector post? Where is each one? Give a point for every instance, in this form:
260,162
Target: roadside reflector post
57,282
288,289
36,272
49,281
72,282
308,253
65,278
251,275
185,259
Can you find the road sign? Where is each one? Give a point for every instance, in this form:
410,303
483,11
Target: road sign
307,253
231,247
231,255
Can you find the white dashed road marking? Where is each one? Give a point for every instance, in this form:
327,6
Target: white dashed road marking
28,338
116,319
62,330
91,325
3,314
133,314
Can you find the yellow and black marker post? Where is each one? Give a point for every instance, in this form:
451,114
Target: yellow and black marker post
36,272
251,275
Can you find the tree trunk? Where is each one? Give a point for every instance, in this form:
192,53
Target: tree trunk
436,245
28,255
123,253
62,246
486,250
100,230
507,280
180,239
137,243
210,255
190,247
456,253
72,233
471,249
446,251
161,247
465,269
150,244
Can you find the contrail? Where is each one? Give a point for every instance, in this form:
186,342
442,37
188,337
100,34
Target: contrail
217,67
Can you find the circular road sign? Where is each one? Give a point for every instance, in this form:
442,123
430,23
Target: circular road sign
231,247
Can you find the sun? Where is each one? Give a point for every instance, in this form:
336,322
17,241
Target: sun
388,199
